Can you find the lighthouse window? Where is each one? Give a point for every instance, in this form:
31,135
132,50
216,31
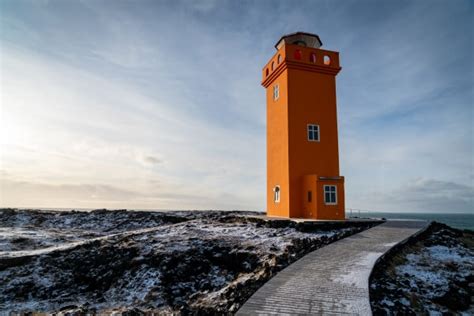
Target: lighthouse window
276,194
313,133
327,60
276,92
297,54
330,194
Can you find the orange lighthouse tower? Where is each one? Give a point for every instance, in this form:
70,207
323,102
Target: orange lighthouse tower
303,178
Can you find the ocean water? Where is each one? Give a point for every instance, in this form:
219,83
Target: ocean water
456,220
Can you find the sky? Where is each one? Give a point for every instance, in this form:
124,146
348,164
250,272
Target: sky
158,104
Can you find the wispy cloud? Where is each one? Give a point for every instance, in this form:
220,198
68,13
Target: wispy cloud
157,104
426,195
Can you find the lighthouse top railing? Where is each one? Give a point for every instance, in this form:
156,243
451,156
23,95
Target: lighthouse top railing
319,59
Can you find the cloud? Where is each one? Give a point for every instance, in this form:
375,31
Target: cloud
25,193
427,195
204,5
162,101
15,193
113,134
152,160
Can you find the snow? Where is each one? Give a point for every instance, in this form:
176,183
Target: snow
361,268
428,277
418,273
404,301
166,262
69,245
387,302
417,268
145,280
443,253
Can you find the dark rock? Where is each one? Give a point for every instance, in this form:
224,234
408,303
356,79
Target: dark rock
455,298
175,274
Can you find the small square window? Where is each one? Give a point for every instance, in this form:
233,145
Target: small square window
276,92
330,194
313,133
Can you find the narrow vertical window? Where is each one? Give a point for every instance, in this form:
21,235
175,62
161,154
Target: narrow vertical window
313,133
327,60
276,92
276,194
297,55
330,194
310,196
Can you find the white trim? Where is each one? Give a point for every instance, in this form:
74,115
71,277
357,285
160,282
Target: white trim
335,194
307,132
276,196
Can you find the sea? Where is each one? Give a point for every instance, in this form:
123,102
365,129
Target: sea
456,220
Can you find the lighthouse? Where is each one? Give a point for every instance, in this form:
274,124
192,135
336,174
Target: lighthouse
303,179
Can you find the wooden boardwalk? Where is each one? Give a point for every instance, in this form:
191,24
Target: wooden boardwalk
332,280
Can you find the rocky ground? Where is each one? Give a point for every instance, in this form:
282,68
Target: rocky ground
125,261
432,274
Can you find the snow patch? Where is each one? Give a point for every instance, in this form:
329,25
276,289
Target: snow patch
361,267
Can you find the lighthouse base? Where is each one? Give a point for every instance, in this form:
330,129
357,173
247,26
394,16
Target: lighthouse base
323,197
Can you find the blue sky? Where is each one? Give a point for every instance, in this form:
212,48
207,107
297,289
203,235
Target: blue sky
158,104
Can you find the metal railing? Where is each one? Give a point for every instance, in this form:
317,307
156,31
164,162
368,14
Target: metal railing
358,213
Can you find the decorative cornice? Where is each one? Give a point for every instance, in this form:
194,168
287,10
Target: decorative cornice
328,70
268,81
